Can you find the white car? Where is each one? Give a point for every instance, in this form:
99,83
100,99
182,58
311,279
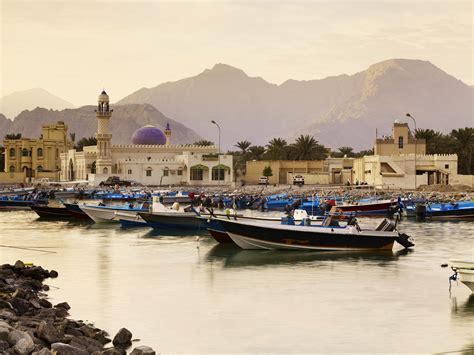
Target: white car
298,180
263,180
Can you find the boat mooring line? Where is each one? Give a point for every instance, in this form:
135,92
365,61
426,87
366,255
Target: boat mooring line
27,248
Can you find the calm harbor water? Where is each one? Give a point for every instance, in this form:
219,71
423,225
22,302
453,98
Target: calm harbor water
180,295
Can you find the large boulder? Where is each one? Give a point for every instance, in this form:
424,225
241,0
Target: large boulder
24,345
123,339
48,333
44,351
85,343
143,350
16,335
66,349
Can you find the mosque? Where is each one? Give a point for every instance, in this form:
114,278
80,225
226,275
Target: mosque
150,160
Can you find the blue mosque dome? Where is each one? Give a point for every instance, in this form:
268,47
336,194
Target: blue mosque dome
149,135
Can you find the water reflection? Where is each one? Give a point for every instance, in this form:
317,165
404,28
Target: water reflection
463,309
233,256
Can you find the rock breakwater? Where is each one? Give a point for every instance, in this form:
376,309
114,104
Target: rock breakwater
30,324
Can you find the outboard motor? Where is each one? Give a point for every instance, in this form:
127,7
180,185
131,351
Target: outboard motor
405,240
420,212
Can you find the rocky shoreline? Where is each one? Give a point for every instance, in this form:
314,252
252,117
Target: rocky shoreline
30,324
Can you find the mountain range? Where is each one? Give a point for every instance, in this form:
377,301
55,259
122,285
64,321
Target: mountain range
342,110
82,121
11,105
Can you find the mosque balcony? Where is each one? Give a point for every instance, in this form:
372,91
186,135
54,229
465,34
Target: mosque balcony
103,136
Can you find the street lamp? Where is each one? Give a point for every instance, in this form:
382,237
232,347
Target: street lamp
219,156
414,136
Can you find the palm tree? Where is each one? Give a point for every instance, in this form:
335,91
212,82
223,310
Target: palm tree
346,151
277,149
13,136
307,148
204,142
243,146
464,140
256,152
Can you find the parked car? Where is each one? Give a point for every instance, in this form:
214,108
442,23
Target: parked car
115,180
263,180
298,180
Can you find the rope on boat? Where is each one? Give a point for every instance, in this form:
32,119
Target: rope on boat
453,277
30,249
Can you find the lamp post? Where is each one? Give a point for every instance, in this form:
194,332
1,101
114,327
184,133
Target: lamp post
219,156
414,136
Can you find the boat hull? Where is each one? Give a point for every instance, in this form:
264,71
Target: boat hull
76,211
48,212
173,220
20,204
465,270
220,236
368,209
253,236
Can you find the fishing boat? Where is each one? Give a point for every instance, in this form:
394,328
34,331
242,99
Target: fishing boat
369,208
75,210
100,214
220,235
50,212
465,270
173,220
130,219
462,210
19,204
328,236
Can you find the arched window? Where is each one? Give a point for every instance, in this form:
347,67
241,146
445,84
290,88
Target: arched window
12,168
24,152
166,171
12,152
400,142
39,152
105,170
39,168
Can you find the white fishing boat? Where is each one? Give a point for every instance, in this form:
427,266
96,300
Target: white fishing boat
101,214
465,270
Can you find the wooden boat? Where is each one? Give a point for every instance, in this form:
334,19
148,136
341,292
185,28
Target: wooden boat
374,208
130,219
259,235
463,210
173,220
100,214
20,204
220,235
75,210
465,270
50,212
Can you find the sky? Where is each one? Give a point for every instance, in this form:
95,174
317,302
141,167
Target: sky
74,48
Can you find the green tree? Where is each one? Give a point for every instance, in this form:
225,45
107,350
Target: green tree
344,151
85,142
204,142
267,171
362,153
464,143
13,136
277,149
255,152
72,136
243,146
307,148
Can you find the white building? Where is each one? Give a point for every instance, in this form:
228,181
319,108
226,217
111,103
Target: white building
150,160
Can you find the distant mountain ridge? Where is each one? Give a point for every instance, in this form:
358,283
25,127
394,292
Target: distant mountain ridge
11,105
82,121
338,110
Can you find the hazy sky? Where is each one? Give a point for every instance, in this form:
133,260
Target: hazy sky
75,48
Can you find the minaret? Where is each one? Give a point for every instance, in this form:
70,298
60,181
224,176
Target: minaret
104,156
168,134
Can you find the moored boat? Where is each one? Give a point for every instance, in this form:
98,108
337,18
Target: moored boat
100,214
8,204
259,235
465,270
50,212
75,210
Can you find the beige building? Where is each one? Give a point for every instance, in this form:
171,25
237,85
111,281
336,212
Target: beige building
395,164
27,159
401,142
329,171
150,160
